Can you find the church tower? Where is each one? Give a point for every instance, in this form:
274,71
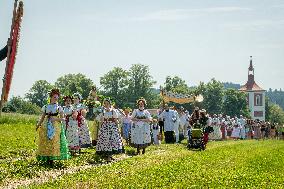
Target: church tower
255,95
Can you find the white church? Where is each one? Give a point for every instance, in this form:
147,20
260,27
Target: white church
256,96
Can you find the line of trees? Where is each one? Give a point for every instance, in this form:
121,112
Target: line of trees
126,86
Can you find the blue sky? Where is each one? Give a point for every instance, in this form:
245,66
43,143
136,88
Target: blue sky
196,40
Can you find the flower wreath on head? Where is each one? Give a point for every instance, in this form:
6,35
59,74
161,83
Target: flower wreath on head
66,97
109,99
127,109
78,95
53,92
143,100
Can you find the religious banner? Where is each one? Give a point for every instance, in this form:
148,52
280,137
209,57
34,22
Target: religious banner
179,98
12,47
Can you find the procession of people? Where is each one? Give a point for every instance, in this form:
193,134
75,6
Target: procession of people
64,130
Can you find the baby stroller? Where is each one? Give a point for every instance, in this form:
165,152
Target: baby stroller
196,138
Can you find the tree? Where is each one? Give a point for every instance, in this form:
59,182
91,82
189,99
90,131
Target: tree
140,84
19,105
235,103
115,84
213,96
276,114
176,85
230,85
72,83
38,93
276,96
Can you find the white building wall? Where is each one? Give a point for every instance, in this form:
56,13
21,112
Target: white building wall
254,108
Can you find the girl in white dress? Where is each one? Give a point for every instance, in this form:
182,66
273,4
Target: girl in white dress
236,130
71,125
126,125
84,132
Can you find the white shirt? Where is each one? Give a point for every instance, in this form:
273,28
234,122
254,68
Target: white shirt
107,114
51,108
169,119
183,119
67,110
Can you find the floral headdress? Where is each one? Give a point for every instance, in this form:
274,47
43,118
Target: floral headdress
66,97
78,95
53,92
143,100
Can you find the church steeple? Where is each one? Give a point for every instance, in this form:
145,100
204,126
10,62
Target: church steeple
250,73
255,95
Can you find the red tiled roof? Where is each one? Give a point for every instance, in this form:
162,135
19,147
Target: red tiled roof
251,87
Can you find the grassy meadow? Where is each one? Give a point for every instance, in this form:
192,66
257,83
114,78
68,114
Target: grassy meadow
224,164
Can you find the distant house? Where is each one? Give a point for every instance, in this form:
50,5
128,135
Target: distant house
255,95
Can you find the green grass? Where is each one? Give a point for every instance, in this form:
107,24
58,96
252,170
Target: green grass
14,118
18,141
228,164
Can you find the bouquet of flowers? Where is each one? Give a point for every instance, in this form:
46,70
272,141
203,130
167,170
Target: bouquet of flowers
95,105
97,108
141,117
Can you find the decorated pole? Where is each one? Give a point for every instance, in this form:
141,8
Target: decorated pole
12,45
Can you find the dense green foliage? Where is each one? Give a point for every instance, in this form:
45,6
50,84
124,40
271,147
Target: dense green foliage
276,96
72,83
275,113
235,103
19,105
126,86
38,93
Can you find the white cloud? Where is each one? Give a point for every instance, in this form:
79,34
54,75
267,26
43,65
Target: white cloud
182,14
255,25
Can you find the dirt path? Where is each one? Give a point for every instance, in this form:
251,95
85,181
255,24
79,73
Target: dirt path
52,175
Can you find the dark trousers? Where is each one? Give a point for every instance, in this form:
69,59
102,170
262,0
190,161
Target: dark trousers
170,137
161,124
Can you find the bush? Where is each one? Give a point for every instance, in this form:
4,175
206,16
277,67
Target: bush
19,105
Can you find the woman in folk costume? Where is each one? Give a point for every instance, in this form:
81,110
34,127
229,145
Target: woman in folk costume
249,128
256,130
242,122
222,127
229,126
236,130
216,134
126,125
95,108
52,140
140,131
109,139
84,132
71,125
273,130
